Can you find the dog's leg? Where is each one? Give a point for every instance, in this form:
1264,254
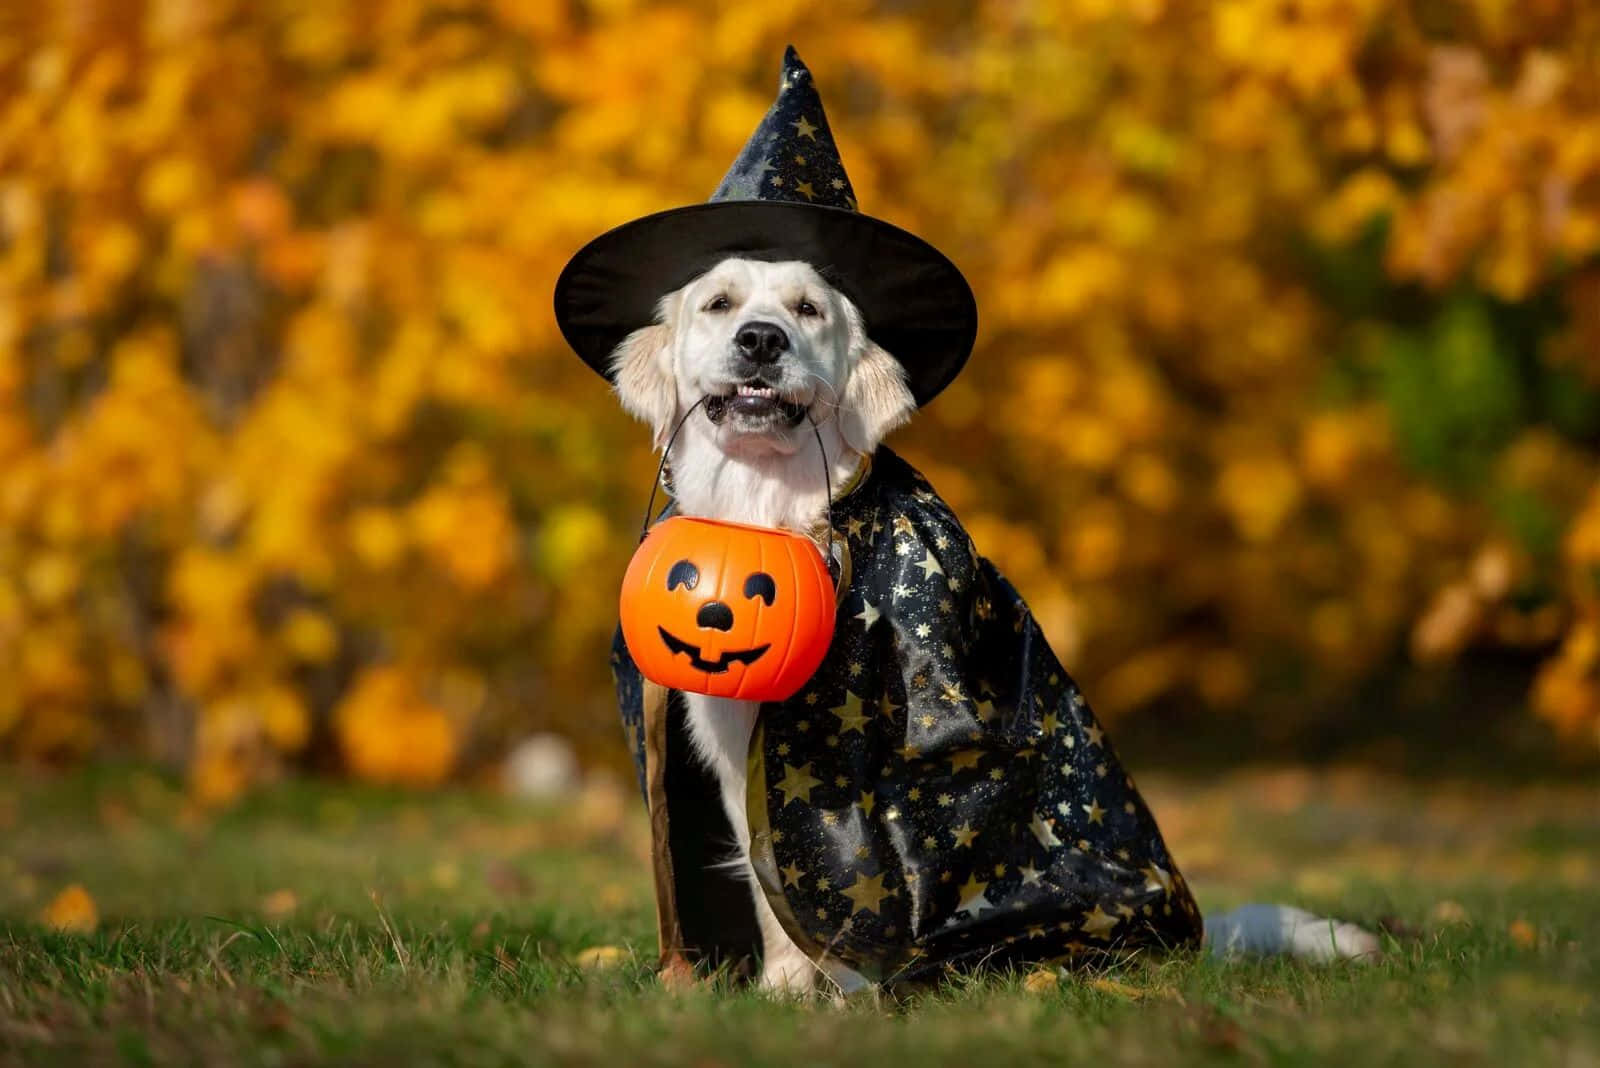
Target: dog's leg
720,730
785,969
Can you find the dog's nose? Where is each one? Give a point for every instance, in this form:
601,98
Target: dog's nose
761,342
714,615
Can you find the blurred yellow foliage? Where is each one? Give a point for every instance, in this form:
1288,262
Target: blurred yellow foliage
389,733
292,458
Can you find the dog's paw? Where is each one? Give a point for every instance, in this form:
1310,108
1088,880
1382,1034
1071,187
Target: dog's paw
788,972
1283,929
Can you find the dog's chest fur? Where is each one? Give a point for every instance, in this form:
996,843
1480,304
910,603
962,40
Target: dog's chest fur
785,492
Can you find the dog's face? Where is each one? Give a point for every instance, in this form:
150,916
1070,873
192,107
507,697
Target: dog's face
759,341
770,348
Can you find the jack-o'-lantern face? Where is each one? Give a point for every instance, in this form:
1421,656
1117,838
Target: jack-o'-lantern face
727,609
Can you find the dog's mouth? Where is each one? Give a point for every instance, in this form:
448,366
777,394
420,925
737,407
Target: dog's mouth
711,667
756,402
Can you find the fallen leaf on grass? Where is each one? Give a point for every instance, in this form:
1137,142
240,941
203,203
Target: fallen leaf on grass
504,879
599,957
1448,911
1041,981
1219,1032
1523,933
445,875
72,911
279,904
1121,990
677,974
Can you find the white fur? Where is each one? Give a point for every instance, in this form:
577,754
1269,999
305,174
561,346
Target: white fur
769,474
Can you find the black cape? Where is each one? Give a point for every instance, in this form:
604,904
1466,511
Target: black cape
938,795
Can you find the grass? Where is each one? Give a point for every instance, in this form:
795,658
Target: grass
332,924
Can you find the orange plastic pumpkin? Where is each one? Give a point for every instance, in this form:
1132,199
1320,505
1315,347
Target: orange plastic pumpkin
727,609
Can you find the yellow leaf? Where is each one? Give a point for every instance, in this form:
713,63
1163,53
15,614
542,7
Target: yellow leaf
310,636
72,911
1116,989
1041,980
279,903
598,958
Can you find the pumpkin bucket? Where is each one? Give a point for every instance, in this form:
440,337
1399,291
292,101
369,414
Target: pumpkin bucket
727,609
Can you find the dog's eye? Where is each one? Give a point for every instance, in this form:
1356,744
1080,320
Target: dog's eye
805,309
683,574
720,302
760,584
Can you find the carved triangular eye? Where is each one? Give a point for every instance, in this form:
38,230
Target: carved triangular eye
760,585
683,574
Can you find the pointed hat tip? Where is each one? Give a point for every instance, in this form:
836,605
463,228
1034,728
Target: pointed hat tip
795,70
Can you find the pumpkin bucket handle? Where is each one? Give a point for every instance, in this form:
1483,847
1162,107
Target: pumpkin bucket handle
650,506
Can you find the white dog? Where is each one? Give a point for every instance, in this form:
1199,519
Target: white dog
771,349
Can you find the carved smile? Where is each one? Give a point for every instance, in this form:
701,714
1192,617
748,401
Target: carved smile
712,667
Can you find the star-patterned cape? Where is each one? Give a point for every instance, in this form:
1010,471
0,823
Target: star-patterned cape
939,795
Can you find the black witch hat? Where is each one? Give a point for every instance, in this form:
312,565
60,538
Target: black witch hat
786,198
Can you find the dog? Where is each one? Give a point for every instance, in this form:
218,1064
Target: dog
780,361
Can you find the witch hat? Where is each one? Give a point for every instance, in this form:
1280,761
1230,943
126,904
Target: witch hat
787,197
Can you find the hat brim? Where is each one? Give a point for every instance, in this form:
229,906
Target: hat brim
915,302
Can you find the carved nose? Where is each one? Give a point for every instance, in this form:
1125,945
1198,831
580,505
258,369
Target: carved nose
714,615
761,342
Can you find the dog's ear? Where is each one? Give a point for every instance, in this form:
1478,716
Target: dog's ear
876,399
643,380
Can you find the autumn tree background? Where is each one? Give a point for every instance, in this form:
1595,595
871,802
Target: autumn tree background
1286,397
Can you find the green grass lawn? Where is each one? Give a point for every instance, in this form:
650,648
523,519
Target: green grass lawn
332,924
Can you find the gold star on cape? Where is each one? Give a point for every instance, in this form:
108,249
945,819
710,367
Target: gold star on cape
850,716
868,614
803,128
867,802
798,782
791,875
1156,878
867,893
1097,922
805,190
1030,874
965,758
930,566
1095,734
964,834
973,899
902,525
1096,813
